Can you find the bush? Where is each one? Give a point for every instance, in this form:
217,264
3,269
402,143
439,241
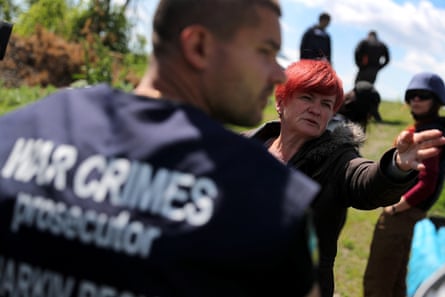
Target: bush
45,59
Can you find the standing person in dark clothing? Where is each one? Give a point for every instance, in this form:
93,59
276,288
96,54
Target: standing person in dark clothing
371,55
305,103
386,271
316,42
147,193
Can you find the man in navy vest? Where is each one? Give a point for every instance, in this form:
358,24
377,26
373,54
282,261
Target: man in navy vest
107,193
316,41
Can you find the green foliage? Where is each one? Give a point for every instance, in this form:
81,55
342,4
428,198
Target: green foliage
140,44
107,22
74,20
51,14
8,10
138,62
100,70
11,99
116,37
131,63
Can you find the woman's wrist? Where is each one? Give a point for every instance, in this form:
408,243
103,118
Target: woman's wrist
393,209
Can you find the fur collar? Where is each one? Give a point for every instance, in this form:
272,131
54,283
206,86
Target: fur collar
345,136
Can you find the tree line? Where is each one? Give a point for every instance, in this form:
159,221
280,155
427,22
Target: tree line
75,20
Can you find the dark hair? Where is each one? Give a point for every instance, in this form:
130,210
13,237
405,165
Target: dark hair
372,33
222,17
324,16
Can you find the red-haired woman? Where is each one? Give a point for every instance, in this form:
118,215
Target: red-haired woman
305,104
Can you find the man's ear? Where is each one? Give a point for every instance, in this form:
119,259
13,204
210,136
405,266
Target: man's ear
196,42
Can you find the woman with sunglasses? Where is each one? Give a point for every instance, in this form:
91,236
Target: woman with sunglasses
390,247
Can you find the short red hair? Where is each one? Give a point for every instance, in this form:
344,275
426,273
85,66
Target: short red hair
311,76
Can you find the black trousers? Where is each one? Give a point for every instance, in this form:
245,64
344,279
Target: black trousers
367,74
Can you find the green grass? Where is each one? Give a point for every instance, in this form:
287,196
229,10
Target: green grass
356,236
15,97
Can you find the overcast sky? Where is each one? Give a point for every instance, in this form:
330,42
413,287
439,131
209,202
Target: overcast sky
414,31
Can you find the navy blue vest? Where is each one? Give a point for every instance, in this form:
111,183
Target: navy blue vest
104,193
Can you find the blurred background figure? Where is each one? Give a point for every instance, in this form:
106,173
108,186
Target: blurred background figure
316,42
359,105
371,55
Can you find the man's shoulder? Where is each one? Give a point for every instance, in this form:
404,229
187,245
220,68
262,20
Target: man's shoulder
363,42
81,92
310,30
378,45
383,45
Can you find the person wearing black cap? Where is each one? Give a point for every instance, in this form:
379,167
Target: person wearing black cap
390,247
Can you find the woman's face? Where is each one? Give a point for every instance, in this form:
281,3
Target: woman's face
420,102
307,114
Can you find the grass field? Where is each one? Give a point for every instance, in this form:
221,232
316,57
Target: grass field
356,236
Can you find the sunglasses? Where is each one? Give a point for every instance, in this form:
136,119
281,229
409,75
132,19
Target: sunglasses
422,96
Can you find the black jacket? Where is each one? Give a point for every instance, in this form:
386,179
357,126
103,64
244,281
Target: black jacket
371,54
315,43
346,179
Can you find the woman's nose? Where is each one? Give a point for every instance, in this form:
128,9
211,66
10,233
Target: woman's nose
315,108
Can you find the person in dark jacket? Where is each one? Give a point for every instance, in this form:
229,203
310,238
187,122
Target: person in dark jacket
305,103
147,193
359,105
316,41
390,246
370,55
